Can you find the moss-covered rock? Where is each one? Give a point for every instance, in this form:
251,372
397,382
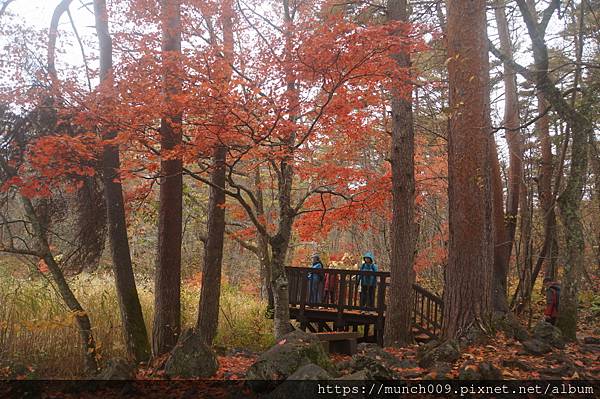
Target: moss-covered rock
378,363
191,357
310,372
117,369
470,370
293,351
548,333
511,326
448,351
536,347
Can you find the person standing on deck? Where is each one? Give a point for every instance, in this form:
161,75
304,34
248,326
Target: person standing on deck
332,281
367,283
314,281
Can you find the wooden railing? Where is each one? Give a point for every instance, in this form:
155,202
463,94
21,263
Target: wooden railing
427,312
341,291
344,293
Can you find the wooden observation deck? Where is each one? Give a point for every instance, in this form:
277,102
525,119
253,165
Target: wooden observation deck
342,311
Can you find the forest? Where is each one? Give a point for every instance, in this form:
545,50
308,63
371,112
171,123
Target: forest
281,190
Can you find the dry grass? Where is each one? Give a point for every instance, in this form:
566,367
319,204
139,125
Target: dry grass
36,329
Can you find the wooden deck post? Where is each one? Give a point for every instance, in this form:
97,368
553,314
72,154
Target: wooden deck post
339,322
380,310
303,292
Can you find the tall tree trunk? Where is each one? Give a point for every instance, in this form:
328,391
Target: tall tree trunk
403,239
505,223
549,251
280,243
279,282
526,276
596,195
569,203
501,237
468,277
134,328
570,208
208,313
167,301
550,245
570,200
263,246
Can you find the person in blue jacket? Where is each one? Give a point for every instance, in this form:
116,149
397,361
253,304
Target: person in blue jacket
314,281
367,283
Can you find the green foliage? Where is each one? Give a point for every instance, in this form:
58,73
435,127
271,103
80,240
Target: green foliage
596,306
592,299
37,330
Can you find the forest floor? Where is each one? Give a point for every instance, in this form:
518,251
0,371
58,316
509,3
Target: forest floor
572,362
576,361
37,334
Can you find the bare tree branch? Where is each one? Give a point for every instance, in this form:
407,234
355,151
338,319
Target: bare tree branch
5,6
87,68
60,9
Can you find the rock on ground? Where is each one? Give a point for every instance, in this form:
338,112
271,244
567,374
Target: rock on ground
550,334
293,351
441,371
511,325
310,372
117,369
362,375
470,370
536,347
448,351
290,387
191,357
375,361
474,335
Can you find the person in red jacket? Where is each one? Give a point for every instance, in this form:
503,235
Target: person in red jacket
332,281
552,300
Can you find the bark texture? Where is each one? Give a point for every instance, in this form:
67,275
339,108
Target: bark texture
468,277
506,225
167,300
134,328
549,253
403,240
280,242
208,313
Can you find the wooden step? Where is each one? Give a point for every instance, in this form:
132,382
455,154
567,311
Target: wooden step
341,342
337,335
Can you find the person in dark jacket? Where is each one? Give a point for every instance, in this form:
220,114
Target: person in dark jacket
314,281
367,283
552,300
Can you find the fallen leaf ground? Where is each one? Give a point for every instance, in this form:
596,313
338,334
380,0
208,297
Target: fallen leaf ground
574,362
